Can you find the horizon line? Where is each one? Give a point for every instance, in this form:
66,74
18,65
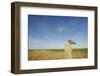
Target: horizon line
56,48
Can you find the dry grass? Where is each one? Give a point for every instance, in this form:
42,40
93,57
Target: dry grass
53,54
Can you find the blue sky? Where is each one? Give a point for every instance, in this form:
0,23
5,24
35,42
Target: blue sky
52,32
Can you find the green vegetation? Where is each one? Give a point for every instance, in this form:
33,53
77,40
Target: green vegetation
52,54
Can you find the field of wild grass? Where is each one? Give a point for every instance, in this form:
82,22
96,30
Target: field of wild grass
53,54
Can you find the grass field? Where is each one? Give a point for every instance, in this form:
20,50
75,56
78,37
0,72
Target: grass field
53,54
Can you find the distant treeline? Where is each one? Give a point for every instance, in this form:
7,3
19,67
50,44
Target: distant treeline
82,49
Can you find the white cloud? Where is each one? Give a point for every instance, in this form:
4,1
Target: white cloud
60,29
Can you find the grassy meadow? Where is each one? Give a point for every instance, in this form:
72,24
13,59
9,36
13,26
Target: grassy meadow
53,54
